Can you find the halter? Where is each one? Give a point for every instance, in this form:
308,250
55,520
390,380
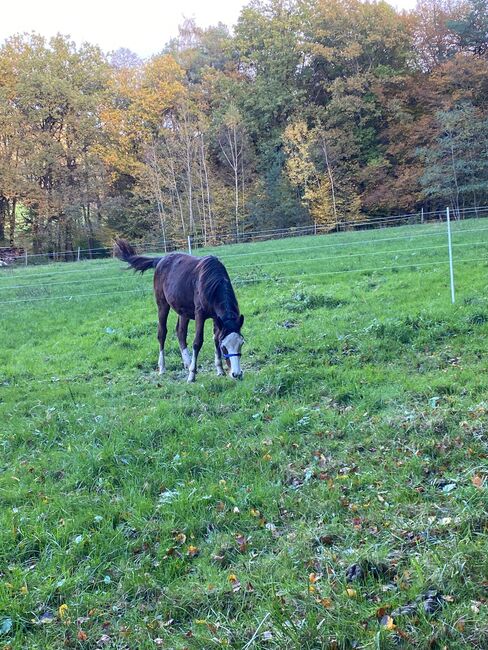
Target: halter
228,356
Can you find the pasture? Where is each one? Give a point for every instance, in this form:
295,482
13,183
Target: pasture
335,498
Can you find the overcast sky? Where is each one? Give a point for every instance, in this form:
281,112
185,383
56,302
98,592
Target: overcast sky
143,26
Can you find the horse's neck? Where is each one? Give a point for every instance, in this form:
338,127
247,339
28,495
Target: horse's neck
226,312
226,307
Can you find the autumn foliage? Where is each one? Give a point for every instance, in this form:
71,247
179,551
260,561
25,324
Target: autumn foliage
314,111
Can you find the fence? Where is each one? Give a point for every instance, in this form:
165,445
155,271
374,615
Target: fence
192,243
359,254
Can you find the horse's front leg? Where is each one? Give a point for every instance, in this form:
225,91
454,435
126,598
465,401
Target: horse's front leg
197,346
218,353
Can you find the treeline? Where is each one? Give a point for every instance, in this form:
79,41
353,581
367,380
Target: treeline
327,111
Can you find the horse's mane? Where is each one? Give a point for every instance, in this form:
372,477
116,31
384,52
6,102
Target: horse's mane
216,281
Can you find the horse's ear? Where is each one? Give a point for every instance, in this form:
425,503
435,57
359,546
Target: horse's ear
241,321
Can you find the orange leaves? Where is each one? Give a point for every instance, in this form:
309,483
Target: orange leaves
180,538
386,621
82,636
477,481
325,602
234,581
192,551
161,88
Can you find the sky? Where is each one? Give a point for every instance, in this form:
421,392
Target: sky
143,26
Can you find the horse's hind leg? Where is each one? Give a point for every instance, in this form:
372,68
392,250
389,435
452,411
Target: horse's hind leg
181,333
163,311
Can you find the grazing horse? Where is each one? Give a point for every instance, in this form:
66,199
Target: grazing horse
197,288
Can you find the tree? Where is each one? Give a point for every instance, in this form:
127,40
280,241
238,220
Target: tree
435,42
471,28
231,135
456,164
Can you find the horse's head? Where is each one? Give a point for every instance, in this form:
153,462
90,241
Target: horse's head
231,341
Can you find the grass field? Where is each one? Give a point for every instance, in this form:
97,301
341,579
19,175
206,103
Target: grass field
335,498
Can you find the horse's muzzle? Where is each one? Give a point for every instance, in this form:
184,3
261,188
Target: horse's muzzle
237,375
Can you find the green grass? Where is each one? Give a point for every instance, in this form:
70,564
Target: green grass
226,514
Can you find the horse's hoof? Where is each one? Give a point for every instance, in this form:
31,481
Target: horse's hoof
191,378
161,372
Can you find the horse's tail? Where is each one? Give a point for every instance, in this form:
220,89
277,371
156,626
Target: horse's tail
124,251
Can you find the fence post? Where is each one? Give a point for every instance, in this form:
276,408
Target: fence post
422,214
449,243
25,253
189,244
78,256
314,227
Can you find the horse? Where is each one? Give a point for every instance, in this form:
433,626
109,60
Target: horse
196,288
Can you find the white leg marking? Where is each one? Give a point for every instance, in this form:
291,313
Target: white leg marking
161,365
192,368
185,355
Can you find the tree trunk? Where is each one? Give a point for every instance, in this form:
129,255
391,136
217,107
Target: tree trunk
2,218
204,163
331,179
11,222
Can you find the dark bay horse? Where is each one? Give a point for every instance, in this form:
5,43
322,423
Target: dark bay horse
197,288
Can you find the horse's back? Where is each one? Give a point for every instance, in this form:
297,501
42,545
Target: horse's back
187,283
174,282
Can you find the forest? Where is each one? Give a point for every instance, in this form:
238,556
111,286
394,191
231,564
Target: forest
306,111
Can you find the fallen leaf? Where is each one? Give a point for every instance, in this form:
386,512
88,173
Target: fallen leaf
192,551
325,602
477,481
354,572
352,593
46,617
381,612
241,543
62,611
180,538
387,622
82,636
